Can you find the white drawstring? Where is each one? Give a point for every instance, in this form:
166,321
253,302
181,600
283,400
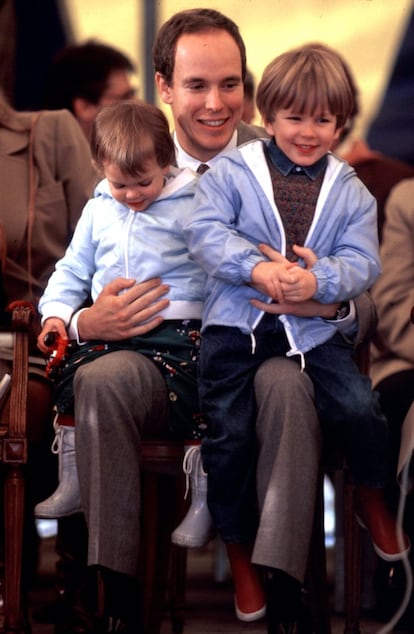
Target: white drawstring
294,351
298,353
253,341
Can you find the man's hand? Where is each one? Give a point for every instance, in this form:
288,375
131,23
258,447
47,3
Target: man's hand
119,315
310,308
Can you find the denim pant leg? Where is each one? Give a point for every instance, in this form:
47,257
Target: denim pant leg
349,410
227,368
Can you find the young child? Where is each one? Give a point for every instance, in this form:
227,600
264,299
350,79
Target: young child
132,228
291,193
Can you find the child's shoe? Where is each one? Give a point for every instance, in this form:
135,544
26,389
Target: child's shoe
374,516
65,500
249,599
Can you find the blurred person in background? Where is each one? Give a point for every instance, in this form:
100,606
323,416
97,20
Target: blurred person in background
46,176
86,77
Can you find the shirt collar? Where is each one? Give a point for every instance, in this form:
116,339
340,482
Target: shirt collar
186,160
286,166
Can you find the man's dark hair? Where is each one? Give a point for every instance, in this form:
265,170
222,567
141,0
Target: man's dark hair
191,21
82,70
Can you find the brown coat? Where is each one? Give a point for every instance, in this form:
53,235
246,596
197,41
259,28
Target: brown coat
392,350
63,179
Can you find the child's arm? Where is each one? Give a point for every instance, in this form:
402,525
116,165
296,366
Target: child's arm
52,324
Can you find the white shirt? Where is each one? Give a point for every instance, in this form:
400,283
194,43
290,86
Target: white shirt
186,160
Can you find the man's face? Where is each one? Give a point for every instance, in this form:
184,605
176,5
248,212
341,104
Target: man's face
206,93
118,88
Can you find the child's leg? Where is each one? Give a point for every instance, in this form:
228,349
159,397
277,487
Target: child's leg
350,414
65,500
197,528
174,348
227,368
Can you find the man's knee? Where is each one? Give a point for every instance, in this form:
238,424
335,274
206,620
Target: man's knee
282,378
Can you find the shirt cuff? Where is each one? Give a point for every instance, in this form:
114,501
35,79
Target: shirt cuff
73,327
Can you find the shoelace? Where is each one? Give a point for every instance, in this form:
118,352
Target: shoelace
192,454
57,441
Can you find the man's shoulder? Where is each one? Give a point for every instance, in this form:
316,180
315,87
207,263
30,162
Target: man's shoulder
247,132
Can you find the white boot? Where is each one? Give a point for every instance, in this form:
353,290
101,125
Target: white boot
197,527
66,499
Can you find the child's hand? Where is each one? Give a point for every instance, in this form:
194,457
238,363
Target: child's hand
300,286
307,255
53,324
270,278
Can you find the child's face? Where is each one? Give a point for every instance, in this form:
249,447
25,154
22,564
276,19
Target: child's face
304,138
137,192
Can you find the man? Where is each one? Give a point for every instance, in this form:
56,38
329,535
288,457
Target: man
200,63
86,77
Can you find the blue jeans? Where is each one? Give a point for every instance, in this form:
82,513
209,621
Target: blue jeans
347,408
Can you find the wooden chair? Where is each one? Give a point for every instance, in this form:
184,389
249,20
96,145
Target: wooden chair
162,564
13,456
317,579
333,464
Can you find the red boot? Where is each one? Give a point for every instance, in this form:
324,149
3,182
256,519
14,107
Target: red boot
249,600
373,514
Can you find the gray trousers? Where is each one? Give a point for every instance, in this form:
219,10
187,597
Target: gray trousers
289,440
121,398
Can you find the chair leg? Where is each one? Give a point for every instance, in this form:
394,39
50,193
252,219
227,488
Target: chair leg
353,549
159,502
176,588
14,491
178,566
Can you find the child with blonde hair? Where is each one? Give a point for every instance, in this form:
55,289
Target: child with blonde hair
291,193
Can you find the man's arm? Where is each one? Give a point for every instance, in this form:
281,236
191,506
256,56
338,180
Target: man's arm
123,309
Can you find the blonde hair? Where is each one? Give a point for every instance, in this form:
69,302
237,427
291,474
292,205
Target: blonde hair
306,79
130,134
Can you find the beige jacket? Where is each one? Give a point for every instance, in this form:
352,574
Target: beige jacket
393,293
63,179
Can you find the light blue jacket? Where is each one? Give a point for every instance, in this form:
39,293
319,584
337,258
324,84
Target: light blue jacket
234,211
112,241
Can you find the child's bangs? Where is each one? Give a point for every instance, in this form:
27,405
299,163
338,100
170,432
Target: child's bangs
310,94
134,157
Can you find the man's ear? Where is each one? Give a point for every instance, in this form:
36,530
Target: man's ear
164,89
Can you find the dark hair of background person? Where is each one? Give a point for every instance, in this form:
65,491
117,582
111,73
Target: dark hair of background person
248,85
82,70
249,88
191,21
